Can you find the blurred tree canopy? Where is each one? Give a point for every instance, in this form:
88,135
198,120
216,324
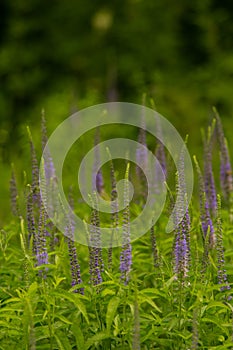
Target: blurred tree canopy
180,53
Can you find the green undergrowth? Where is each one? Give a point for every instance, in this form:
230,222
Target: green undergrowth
154,311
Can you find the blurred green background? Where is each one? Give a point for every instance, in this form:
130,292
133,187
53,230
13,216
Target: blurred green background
66,55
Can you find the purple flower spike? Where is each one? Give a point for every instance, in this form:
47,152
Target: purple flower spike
182,226
97,180
141,152
44,137
126,252
73,256
210,189
49,169
226,178
35,173
142,155
49,180
74,264
154,247
41,253
182,251
161,157
32,235
160,150
14,193
115,214
222,276
95,262
206,221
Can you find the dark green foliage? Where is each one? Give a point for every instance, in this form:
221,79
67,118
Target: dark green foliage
46,314
153,310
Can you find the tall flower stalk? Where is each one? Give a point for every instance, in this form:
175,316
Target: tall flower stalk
222,276
160,155
35,173
154,247
126,252
76,279
141,152
206,221
33,199
205,261
161,158
97,181
31,224
182,226
74,264
41,253
48,181
226,178
209,182
160,149
36,215
96,265
49,169
182,250
115,209
14,193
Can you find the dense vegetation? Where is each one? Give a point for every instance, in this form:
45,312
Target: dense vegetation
170,291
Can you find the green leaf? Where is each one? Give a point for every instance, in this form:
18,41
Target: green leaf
112,283
144,299
33,288
11,300
173,323
78,336
107,291
63,319
149,291
216,304
153,292
5,324
111,311
148,335
62,341
10,312
42,332
170,281
215,321
57,281
75,299
213,263
96,339
82,309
